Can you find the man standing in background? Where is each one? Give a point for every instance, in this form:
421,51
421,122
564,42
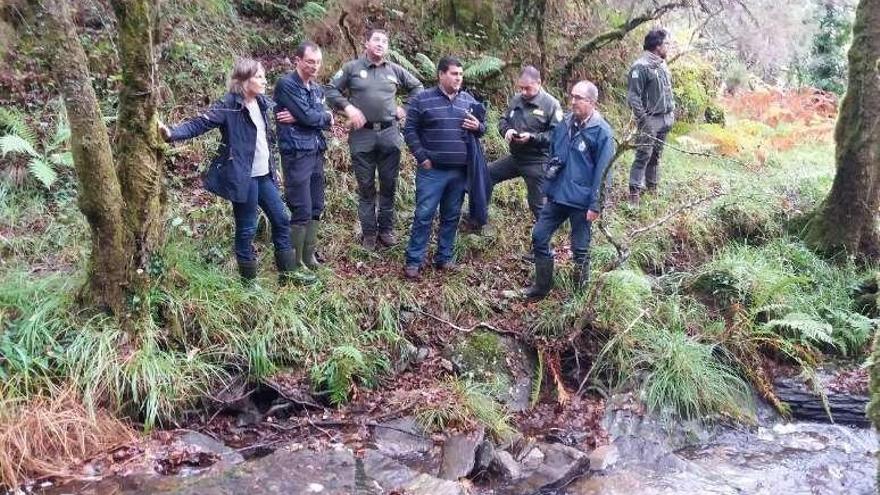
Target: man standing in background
649,95
371,83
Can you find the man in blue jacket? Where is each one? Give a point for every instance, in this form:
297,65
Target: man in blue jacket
302,145
436,130
581,150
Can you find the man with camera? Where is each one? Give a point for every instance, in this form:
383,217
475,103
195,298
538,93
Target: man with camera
527,126
581,149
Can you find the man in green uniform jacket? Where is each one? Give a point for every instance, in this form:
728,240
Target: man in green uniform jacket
527,126
371,83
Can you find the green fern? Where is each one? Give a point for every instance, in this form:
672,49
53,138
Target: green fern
14,123
483,68
807,327
404,62
15,144
427,67
42,171
312,10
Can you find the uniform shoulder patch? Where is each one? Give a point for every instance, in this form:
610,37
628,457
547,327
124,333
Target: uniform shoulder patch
363,74
635,74
337,75
558,115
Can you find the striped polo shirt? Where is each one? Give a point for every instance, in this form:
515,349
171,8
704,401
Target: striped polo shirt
433,127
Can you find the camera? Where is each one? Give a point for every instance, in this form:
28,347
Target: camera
552,168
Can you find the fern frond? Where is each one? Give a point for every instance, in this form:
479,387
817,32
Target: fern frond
482,68
312,10
64,159
42,171
401,60
427,67
13,143
14,122
809,328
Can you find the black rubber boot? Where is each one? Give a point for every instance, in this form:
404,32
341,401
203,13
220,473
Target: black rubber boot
284,261
310,244
543,280
634,196
581,274
247,269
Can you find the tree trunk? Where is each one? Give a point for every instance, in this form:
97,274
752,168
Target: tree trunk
137,140
122,199
100,198
847,219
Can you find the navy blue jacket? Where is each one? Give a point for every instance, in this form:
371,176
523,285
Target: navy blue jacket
230,172
585,156
307,107
433,127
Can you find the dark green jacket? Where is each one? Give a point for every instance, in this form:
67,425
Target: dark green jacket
371,87
649,91
537,116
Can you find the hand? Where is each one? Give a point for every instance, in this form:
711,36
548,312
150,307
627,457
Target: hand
522,137
592,216
470,123
508,136
426,164
285,117
401,113
164,131
355,117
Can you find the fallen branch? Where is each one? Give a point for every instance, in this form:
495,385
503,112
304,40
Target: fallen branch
482,324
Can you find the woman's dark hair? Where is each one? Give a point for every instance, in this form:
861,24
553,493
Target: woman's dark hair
242,70
446,62
655,38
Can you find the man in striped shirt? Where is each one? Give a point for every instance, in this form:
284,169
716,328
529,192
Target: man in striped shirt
437,123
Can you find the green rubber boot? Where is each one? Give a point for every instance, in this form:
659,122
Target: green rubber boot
310,244
299,275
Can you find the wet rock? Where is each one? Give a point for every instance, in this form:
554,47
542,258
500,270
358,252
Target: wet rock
559,465
283,472
603,457
402,437
485,456
845,408
459,454
505,465
392,476
508,364
226,456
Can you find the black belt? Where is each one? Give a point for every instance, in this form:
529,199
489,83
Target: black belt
378,126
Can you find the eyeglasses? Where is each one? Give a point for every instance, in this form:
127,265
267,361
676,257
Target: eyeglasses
575,97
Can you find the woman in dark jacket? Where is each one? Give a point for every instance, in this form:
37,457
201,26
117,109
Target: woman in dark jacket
244,170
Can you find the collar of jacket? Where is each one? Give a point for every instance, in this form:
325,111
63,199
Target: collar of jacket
262,100
594,120
652,59
369,63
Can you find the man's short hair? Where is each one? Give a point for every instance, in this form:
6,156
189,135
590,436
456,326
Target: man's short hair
590,90
655,38
306,45
368,34
531,73
446,62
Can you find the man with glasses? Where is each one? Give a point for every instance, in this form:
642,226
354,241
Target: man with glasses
372,83
581,149
649,95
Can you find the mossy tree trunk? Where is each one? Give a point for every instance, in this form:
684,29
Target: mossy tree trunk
120,193
846,221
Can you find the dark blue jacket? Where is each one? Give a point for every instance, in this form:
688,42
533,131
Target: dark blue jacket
479,185
585,155
433,127
307,107
230,172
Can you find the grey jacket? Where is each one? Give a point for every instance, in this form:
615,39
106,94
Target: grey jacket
538,116
649,91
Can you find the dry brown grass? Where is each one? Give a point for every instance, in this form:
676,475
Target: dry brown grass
50,436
